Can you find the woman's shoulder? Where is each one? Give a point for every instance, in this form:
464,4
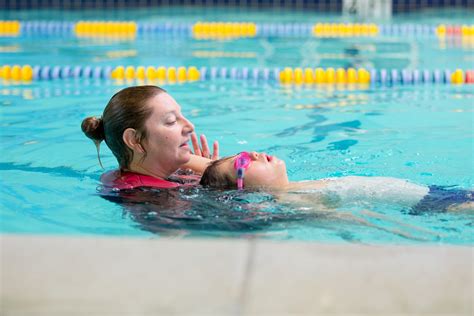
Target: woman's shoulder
123,180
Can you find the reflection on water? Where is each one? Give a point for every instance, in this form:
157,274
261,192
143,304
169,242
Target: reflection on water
156,210
200,211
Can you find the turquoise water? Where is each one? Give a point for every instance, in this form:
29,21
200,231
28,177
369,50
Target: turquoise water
388,53
164,50
49,171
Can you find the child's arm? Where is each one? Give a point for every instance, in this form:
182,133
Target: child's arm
197,164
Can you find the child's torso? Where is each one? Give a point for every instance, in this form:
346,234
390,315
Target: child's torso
334,192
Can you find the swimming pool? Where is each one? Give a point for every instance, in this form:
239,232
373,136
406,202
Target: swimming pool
49,170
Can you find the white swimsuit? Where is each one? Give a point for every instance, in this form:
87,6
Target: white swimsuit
371,189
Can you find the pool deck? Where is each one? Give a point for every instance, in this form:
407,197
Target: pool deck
48,275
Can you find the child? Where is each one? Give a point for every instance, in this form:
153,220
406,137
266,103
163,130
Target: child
260,171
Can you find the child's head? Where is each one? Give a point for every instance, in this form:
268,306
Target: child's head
256,170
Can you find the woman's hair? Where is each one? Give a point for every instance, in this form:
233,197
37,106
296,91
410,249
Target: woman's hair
128,108
213,177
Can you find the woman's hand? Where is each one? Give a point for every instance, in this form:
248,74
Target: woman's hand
202,156
203,151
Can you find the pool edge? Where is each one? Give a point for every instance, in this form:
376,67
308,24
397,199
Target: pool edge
89,275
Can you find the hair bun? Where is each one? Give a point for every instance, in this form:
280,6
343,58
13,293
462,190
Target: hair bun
93,127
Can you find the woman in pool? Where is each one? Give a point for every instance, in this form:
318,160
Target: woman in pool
144,128
260,171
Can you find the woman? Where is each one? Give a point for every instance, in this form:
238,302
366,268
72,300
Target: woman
144,128
258,170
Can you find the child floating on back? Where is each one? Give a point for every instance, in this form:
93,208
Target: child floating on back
252,170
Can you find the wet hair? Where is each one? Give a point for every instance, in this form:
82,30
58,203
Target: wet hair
214,178
128,108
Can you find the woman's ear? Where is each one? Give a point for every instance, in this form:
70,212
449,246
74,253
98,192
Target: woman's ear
130,138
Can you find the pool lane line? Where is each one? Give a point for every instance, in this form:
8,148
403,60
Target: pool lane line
10,28
223,30
114,29
228,30
287,75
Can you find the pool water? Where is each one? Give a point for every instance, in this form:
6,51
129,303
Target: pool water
49,171
161,49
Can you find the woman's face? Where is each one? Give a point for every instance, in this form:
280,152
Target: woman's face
168,134
264,171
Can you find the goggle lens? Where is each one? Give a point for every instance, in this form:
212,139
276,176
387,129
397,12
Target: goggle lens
241,163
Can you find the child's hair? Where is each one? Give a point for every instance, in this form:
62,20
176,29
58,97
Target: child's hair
213,178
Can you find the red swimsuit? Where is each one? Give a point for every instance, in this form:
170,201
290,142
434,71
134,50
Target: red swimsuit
130,180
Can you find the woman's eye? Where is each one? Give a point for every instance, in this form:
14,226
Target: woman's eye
171,122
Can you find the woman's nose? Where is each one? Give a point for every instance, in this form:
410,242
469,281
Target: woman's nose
188,127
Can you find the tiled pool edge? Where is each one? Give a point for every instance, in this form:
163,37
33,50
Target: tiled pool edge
111,276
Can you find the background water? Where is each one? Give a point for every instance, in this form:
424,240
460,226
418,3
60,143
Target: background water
425,52
49,170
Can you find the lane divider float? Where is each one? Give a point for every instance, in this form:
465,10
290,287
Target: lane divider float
10,28
105,29
287,76
345,29
324,76
16,73
171,74
229,30
443,30
223,30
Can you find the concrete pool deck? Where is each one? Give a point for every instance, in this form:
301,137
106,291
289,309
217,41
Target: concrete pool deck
124,276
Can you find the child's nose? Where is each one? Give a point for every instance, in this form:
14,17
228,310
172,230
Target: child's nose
254,155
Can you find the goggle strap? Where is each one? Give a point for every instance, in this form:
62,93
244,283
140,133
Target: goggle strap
240,183
240,178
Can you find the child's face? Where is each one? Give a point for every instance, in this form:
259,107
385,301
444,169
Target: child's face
264,171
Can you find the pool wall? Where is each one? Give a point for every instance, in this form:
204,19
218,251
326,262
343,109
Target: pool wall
398,6
111,276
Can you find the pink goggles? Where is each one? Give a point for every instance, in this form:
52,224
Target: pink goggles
241,163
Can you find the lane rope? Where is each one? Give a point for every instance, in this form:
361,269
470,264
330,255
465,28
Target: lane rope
226,30
287,75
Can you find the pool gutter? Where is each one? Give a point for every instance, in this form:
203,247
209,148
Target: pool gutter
50,275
